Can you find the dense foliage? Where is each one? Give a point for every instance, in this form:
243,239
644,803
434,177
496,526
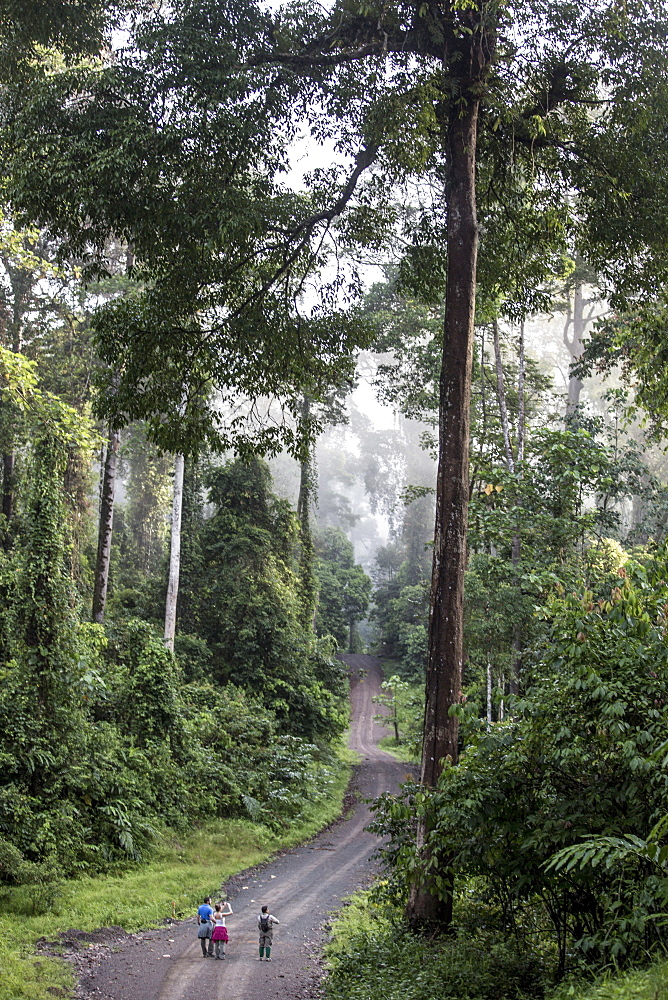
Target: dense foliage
106,736
372,958
583,754
344,589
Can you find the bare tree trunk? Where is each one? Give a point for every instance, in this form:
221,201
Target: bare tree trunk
516,544
105,527
575,344
174,554
445,658
575,384
482,429
489,694
501,393
516,550
307,577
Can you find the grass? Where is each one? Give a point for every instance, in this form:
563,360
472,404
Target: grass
401,752
180,873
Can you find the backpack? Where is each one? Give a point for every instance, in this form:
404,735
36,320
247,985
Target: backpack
265,923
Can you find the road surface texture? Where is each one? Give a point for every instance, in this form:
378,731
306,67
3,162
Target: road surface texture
301,887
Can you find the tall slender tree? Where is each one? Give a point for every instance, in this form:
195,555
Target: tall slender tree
305,501
105,525
174,554
580,310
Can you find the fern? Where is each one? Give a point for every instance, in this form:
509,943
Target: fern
613,851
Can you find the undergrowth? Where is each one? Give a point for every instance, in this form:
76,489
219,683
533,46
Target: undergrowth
371,956
402,752
642,984
181,872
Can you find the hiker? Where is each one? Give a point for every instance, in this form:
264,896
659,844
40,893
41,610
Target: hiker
220,936
265,923
205,929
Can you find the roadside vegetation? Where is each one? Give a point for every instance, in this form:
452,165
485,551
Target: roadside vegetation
179,871
372,956
552,826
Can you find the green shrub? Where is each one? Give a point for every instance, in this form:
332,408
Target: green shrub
373,956
643,984
11,860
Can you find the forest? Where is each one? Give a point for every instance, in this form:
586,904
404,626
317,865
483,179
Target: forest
334,329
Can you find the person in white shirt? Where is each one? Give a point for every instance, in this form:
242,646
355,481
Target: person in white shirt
220,935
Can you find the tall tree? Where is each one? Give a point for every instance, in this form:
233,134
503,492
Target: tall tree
174,554
305,500
105,525
513,463
580,308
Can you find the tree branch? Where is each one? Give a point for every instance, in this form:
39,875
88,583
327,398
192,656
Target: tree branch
305,229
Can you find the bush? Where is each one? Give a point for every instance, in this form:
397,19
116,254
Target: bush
374,957
643,984
11,860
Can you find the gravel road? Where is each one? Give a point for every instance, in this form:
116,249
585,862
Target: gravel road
301,887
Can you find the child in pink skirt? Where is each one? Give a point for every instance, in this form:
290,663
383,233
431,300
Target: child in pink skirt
220,936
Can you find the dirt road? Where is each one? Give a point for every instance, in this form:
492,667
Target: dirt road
301,887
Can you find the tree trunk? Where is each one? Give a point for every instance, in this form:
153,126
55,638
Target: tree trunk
105,527
516,544
174,554
501,394
575,345
307,577
516,551
21,284
444,664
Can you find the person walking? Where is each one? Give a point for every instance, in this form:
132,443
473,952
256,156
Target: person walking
205,928
265,923
220,936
